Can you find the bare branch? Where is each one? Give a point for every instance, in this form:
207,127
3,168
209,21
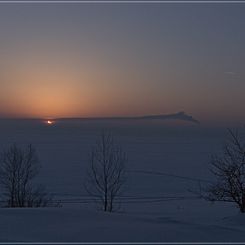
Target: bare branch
106,173
229,170
18,167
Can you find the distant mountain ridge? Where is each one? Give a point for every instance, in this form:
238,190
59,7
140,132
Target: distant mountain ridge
176,116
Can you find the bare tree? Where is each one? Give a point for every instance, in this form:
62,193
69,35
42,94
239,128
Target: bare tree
18,168
106,173
229,171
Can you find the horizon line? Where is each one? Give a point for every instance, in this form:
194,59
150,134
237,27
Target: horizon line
175,116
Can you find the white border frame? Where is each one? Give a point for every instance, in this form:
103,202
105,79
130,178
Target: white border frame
123,2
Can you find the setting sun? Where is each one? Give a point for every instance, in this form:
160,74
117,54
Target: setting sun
49,122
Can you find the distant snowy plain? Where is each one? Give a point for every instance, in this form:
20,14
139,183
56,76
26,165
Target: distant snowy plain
165,164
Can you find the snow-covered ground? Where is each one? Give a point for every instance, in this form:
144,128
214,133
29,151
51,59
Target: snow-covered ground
164,164
190,222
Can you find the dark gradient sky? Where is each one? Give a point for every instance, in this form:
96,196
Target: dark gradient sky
71,60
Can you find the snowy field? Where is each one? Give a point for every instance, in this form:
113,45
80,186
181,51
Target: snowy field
165,163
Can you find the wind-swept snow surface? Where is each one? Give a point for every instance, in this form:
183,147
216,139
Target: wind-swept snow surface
78,224
166,165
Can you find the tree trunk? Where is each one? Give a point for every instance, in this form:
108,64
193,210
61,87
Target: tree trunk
105,201
242,206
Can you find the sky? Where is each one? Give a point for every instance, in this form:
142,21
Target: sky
90,60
